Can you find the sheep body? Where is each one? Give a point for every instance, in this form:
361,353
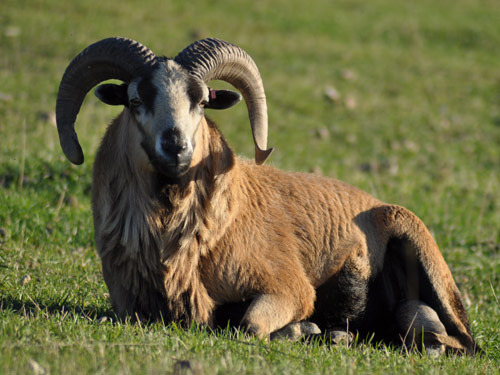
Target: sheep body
230,231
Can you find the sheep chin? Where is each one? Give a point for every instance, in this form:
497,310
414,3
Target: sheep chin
170,170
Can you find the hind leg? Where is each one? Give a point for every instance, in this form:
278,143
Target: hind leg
420,326
423,275
416,321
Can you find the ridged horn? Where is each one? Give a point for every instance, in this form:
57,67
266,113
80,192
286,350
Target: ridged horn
111,58
214,59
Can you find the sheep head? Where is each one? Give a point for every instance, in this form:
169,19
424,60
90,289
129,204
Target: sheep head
167,105
166,97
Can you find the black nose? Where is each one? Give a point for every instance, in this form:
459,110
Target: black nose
174,145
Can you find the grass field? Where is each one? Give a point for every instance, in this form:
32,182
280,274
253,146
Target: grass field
417,124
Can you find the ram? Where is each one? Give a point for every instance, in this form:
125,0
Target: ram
185,229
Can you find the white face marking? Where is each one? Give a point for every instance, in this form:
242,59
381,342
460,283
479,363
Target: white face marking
165,107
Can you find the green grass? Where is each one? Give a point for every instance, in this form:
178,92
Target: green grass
424,133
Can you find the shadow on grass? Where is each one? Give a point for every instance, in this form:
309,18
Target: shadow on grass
225,316
33,308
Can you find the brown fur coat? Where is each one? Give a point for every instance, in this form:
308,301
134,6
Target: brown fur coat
295,245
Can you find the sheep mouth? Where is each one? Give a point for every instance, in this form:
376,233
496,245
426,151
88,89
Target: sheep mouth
169,167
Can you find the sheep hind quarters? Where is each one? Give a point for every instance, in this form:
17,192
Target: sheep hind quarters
411,297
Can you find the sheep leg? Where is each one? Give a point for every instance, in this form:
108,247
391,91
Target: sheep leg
148,305
305,329
419,325
428,279
296,330
269,312
339,337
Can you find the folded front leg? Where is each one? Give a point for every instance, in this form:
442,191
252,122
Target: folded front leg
269,312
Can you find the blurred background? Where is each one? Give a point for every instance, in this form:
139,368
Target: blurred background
399,98
351,84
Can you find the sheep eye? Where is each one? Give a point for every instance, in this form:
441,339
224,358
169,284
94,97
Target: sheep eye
134,103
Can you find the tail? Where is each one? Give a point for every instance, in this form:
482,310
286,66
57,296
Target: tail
427,275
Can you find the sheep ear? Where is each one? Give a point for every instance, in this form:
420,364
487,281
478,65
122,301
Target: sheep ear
222,99
112,94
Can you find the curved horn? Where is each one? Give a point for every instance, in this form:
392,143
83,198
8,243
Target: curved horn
111,58
214,59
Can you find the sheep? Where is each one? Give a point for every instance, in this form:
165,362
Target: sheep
187,232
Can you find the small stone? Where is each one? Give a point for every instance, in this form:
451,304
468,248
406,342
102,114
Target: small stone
332,94
323,133
348,74
351,103
104,319
393,169
5,97
25,280
36,367
410,145
12,31
351,138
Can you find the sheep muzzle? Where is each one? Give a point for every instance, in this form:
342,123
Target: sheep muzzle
171,156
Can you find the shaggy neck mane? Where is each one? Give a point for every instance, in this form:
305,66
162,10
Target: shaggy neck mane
158,229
